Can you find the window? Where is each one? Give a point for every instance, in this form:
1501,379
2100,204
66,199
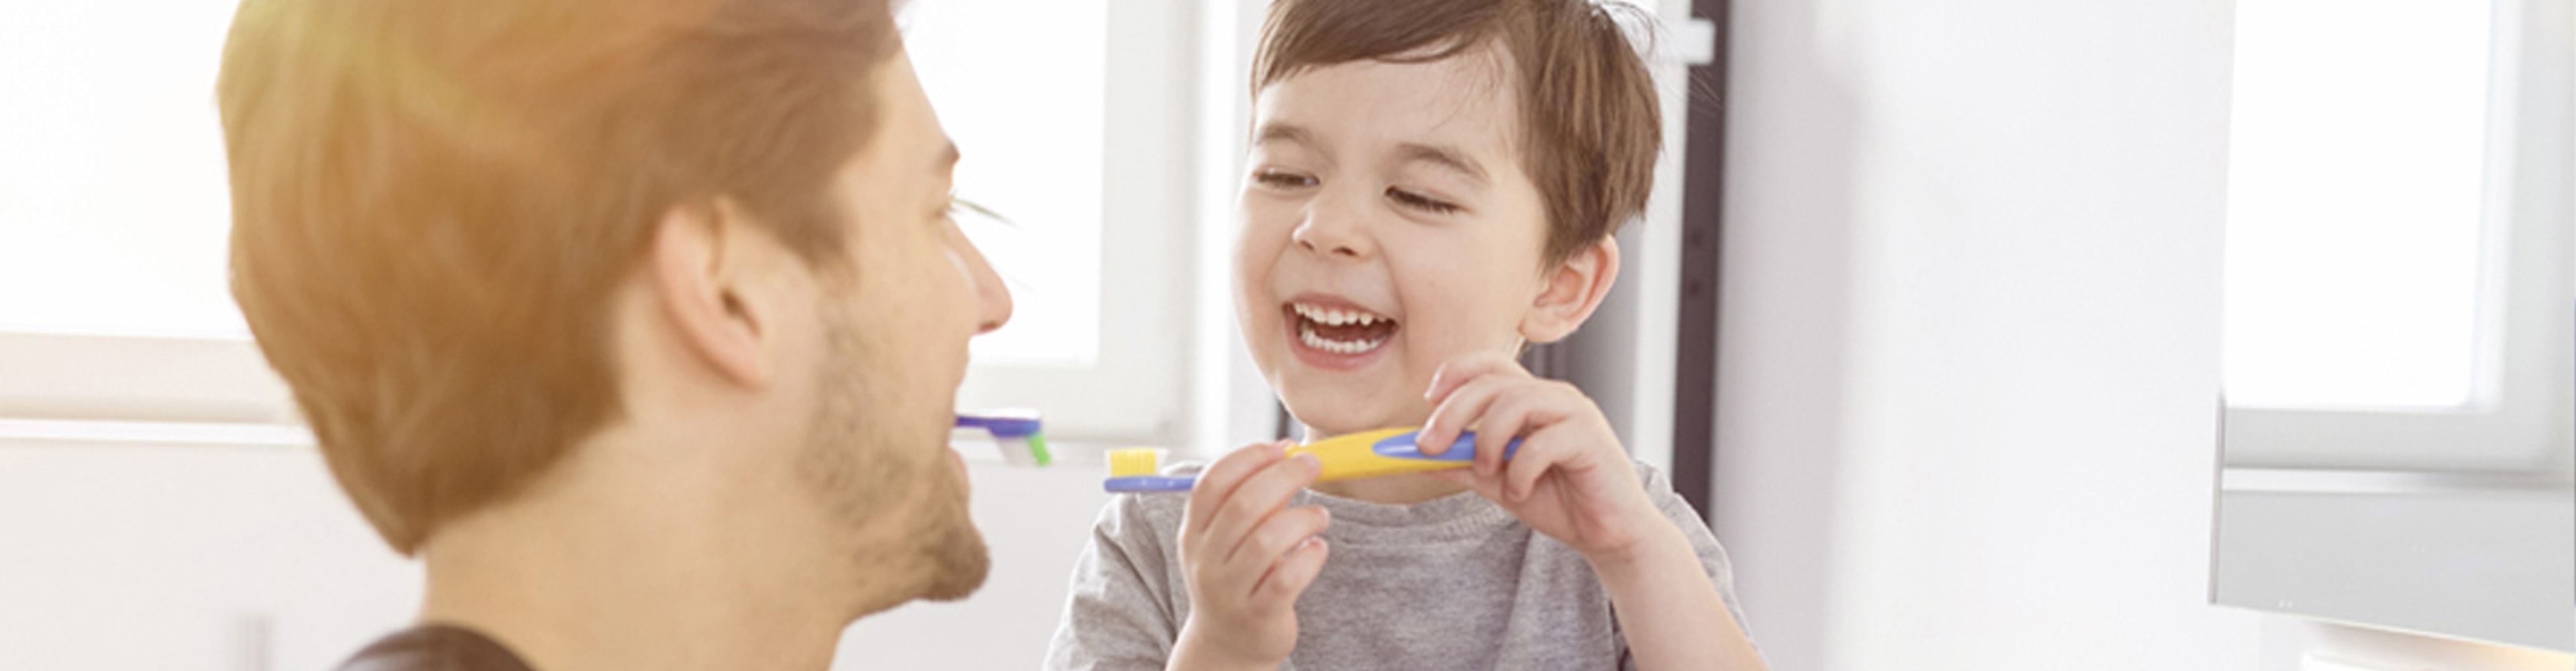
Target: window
2401,393
2396,239
112,221
112,173
2355,238
114,210
1031,133
1074,117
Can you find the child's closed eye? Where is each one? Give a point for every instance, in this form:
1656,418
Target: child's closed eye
1419,201
1282,179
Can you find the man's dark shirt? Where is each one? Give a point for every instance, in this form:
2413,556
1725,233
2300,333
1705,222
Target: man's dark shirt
435,647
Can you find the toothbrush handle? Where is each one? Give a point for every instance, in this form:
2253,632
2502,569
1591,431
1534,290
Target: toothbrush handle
1149,483
1401,446
1387,452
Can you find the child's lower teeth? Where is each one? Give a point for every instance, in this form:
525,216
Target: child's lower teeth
1307,335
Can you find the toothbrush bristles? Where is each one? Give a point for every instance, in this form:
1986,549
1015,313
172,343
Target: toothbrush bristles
1135,461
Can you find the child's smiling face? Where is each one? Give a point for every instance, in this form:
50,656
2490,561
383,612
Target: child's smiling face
1388,228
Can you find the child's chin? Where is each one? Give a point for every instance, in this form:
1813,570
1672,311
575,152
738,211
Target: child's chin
1340,411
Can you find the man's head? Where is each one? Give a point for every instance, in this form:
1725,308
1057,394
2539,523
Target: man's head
1429,179
476,238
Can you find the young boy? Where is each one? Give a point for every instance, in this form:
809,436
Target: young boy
1433,185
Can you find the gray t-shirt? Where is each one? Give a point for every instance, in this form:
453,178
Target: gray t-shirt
1454,583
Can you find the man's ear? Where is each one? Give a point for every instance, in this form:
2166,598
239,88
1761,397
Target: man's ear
1574,289
700,275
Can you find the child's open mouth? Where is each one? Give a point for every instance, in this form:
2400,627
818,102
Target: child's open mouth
1342,330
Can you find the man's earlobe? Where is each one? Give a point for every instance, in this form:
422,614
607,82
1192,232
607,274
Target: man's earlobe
698,283
1575,287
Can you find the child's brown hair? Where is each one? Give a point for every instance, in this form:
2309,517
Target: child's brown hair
1591,125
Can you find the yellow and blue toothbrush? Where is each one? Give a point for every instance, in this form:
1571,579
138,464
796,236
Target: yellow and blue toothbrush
1366,454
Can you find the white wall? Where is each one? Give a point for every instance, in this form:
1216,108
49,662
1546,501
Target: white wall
186,557
1969,356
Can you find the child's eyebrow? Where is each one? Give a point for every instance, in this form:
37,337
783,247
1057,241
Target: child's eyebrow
1273,132
1443,156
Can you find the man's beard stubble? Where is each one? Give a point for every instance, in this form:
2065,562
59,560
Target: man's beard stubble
905,504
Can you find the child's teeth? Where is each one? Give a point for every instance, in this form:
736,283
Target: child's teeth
1336,317
1307,335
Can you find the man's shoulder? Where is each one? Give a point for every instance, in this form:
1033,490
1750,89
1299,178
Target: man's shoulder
435,647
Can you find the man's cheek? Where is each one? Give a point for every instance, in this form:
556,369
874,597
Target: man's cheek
957,465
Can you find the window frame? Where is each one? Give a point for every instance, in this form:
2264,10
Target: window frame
114,378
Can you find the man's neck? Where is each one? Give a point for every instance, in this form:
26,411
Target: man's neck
609,574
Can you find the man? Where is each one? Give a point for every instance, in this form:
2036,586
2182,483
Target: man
638,321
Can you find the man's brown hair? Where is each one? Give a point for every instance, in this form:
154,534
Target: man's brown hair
1590,122
432,202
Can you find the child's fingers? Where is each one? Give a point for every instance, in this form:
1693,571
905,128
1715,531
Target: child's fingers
1525,408
1220,479
1466,367
1540,452
1266,492
1279,533
1289,576
1455,413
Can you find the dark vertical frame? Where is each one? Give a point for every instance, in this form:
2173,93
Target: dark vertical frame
1703,204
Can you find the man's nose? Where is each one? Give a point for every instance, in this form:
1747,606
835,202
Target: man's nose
992,297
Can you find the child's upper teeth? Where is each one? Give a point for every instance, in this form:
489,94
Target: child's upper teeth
1336,317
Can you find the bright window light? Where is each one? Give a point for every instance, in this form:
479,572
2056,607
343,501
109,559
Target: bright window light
113,206
1021,87
2355,221
114,211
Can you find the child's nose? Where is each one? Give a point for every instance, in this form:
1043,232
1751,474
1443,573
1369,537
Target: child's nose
1334,231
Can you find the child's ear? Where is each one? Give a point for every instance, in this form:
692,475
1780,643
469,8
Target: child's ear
1574,289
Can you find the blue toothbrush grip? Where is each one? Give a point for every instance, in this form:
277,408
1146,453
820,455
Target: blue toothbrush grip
1149,483
1401,446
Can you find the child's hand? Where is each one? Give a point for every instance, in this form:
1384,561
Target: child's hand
1246,556
1571,478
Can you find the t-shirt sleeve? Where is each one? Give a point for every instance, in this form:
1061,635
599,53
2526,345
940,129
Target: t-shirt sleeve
1119,613
1712,557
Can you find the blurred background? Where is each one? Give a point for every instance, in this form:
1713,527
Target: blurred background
1931,316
